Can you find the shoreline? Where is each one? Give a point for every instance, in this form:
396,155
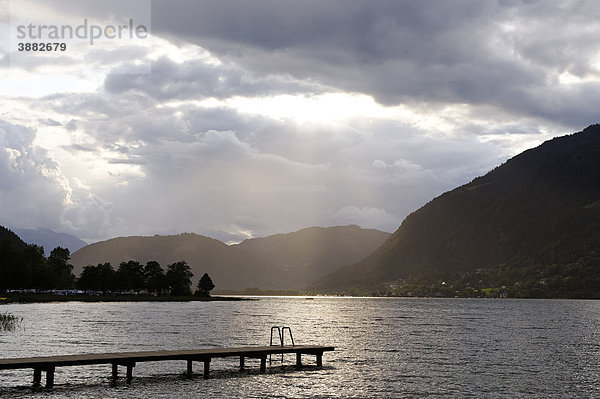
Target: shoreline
48,298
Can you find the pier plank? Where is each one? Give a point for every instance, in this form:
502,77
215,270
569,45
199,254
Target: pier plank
129,359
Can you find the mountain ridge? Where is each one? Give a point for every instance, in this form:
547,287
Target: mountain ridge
244,265
540,207
203,255
313,252
50,239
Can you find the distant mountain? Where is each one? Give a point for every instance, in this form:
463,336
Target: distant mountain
279,262
536,217
229,268
311,253
50,239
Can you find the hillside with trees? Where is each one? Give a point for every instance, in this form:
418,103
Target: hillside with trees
230,267
24,266
280,262
314,252
530,227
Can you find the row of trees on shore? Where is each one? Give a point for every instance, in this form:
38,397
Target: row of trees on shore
133,276
24,267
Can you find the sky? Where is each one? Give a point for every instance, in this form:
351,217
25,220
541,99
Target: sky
240,119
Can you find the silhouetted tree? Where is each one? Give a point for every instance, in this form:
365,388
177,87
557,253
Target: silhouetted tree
24,266
106,276
155,279
179,277
11,247
88,279
130,276
97,278
60,269
205,285
30,269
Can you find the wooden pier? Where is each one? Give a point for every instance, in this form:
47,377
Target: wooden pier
48,364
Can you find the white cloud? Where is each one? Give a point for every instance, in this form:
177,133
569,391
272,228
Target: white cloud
312,114
325,108
32,188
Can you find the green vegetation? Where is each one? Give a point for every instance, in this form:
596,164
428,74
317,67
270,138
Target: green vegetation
281,261
531,225
24,266
576,280
98,278
179,278
305,255
155,279
529,228
25,274
9,322
205,286
133,277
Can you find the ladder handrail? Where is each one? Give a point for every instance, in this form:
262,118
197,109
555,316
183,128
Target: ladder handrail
278,334
281,334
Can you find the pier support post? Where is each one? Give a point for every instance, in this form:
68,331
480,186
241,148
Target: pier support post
263,364
37,377
319,359
115,373
130,372
190,369
206,368
48,364
50,377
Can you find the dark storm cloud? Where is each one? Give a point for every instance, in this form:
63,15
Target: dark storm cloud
571,106
179,150
134,117
219,170
198,79
464,51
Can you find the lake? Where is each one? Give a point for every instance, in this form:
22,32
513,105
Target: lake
385,347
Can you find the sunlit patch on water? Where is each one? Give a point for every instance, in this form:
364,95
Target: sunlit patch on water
384,348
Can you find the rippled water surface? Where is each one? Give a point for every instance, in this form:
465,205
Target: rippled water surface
384,347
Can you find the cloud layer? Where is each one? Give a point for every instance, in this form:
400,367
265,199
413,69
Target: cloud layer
268,116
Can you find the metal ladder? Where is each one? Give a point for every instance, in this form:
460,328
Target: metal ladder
281,334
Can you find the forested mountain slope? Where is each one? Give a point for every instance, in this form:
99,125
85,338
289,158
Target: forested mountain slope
537,217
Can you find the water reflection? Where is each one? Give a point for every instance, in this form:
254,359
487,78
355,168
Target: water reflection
384,347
